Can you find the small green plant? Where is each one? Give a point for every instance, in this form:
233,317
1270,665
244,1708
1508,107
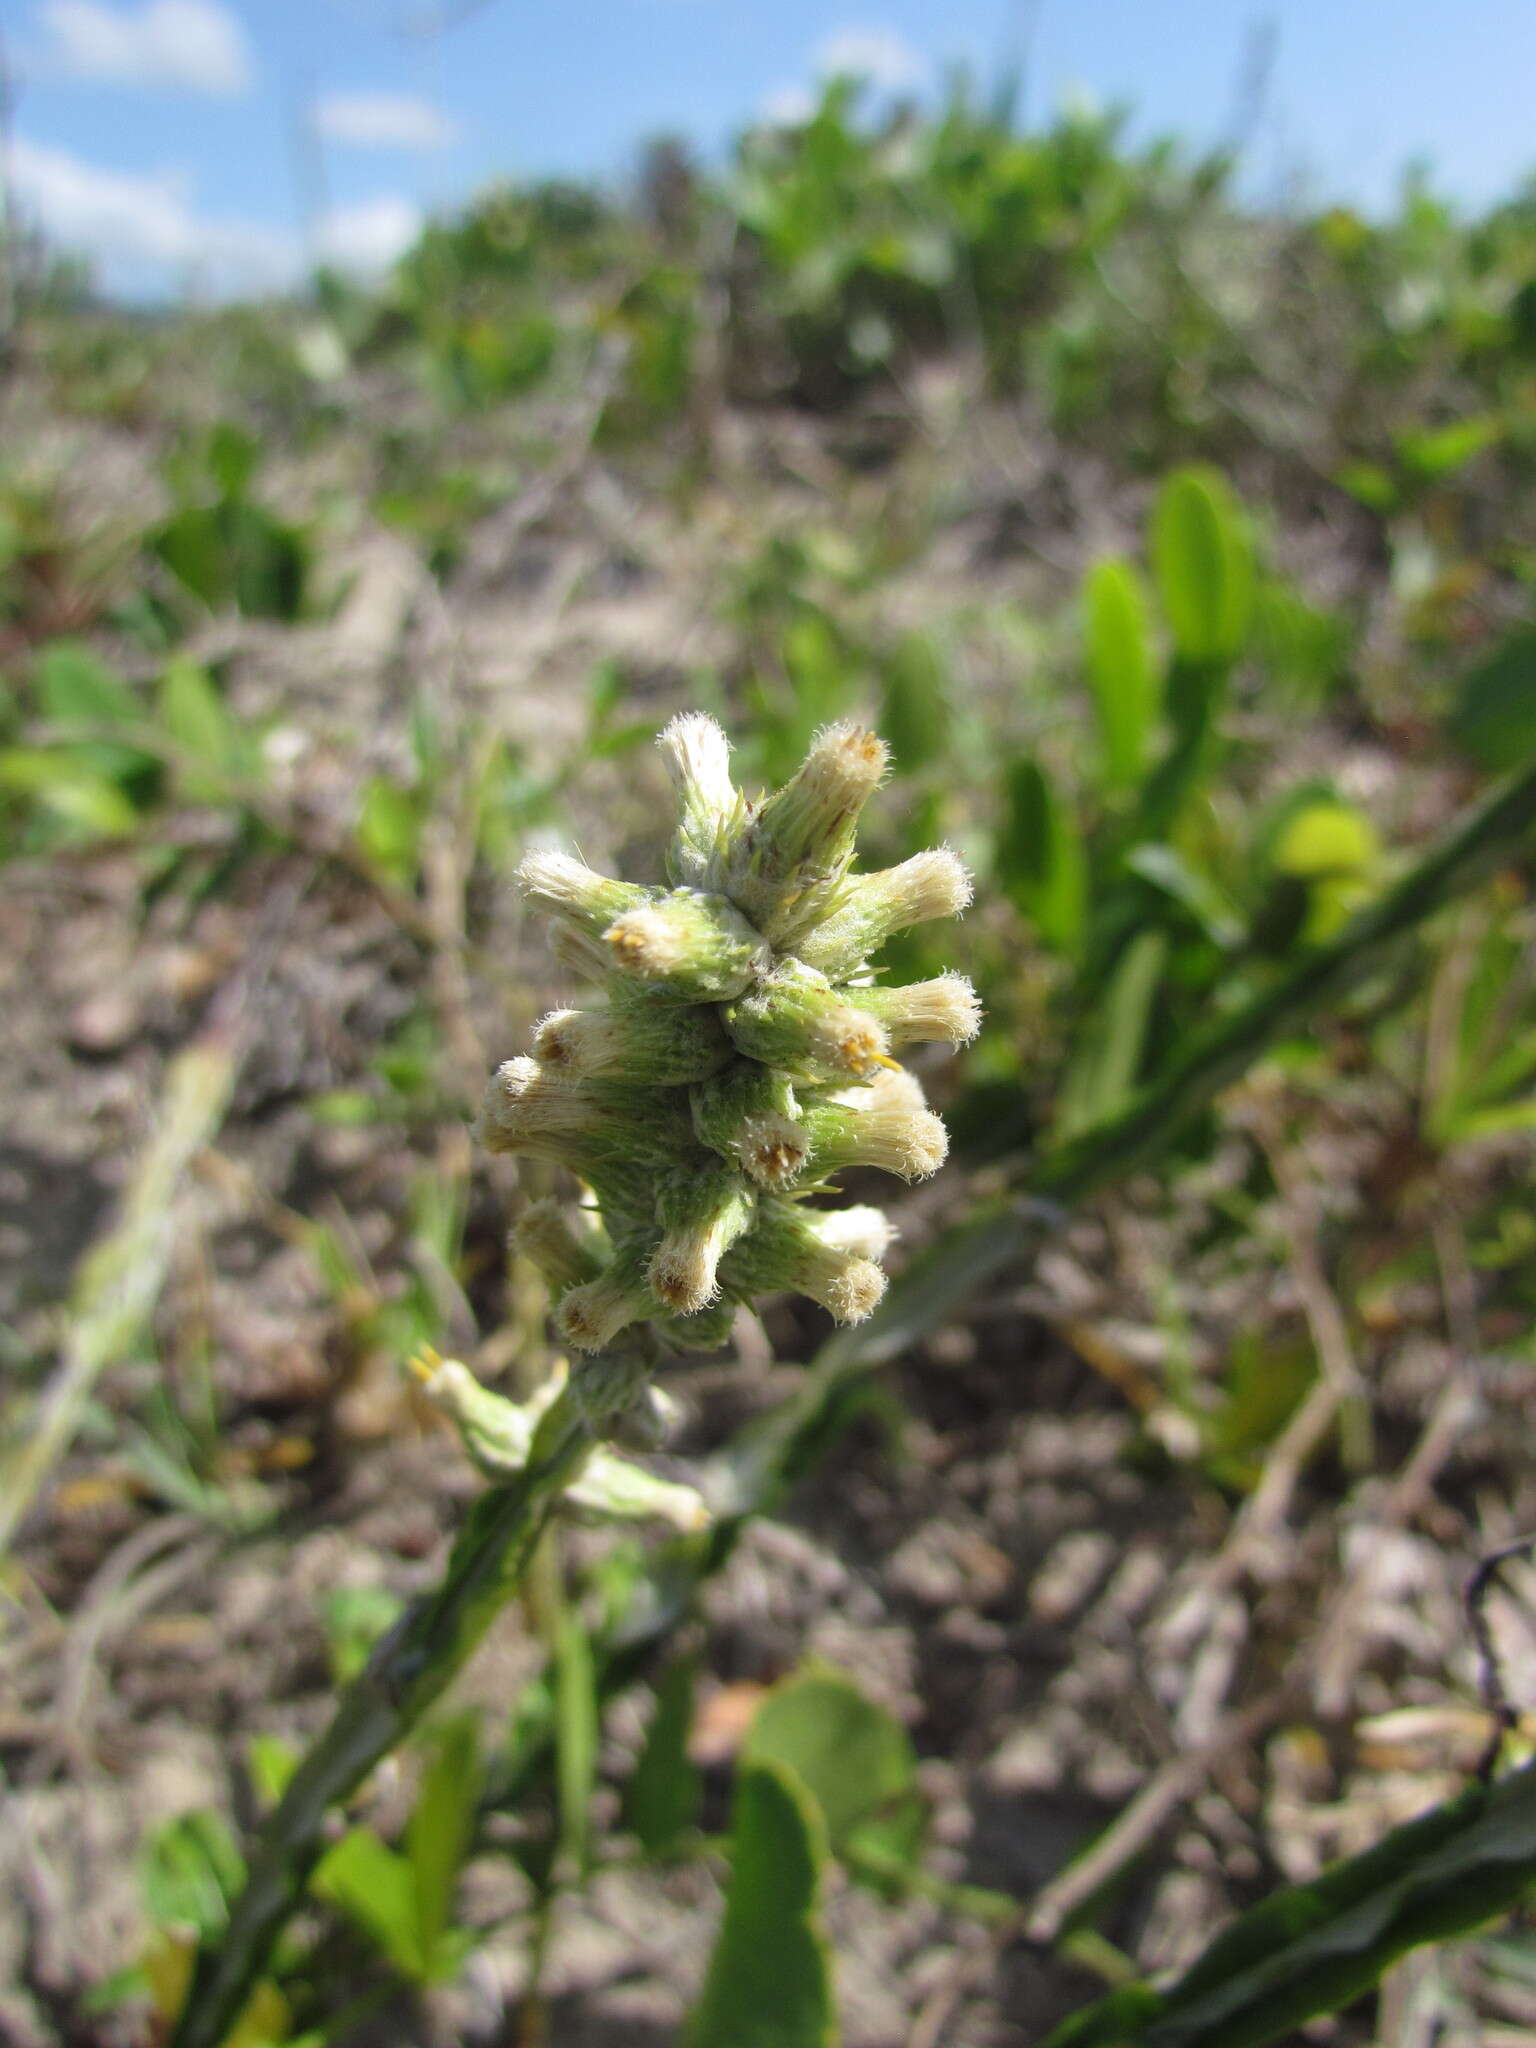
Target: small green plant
221,544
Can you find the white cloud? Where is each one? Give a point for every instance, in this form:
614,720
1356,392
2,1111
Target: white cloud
137,228
383,120
184,45
369,235
882,56
789,107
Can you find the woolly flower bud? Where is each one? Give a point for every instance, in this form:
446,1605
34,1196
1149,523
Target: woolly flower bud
584,1125
709,810
867,1233
869,908
591,1316
652,1044
788,1247
570,889
795,1020
702,1213
802,838
749,1115
943,1011
885,1125
693,946
565,1257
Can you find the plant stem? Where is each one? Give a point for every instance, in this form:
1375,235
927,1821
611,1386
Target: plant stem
407,1671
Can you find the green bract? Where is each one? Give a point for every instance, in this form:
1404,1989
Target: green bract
742,1055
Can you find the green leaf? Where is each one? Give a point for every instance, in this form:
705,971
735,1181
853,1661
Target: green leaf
1315,1948
355,1616
1202,557
191,545
271,1762
265,2023
1442,450
1326,838
576,1732
769,1983
74,688
376,1890
914,710
852,1757
440,1829
1494,720
1176,878
1120,667
1040,859
197,719
1103,1074
191,1871
232,455
389,829
661,1798
270,562
77,794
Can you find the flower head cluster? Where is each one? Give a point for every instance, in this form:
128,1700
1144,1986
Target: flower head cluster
742,1056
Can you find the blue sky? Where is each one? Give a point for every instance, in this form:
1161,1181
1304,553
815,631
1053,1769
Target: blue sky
215,142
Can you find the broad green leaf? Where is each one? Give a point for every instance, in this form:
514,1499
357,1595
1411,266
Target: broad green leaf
1332,852
74,688
1120,667
1494,720
198,721
1326,838
853,1758
1202,556
769,1983
376,1890
1315,1948
76,793
1040,859
191,545
439,1831
661,1798
576,1733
